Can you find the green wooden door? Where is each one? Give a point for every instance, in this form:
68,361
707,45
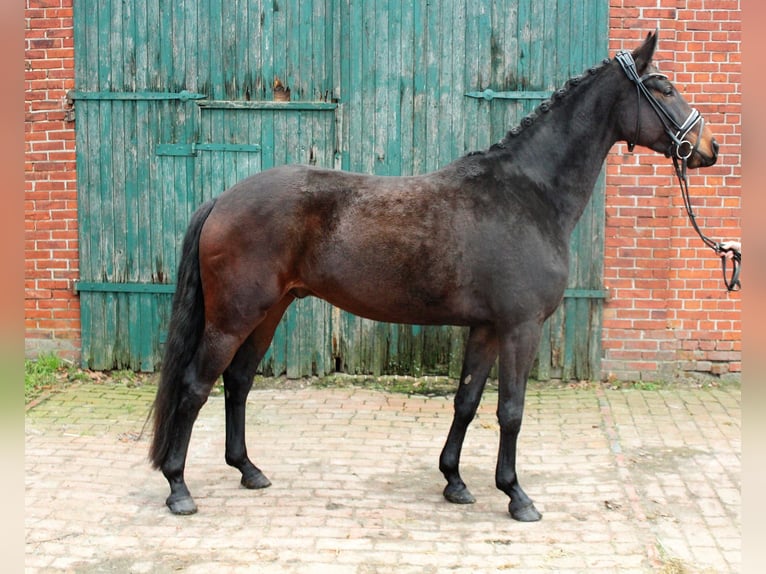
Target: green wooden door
175,101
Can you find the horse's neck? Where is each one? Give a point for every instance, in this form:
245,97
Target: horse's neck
564,150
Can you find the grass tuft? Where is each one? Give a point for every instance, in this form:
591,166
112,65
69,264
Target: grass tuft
42,374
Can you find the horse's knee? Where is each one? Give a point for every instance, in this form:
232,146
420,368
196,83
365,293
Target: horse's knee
509,421
467,400
465,413
509,417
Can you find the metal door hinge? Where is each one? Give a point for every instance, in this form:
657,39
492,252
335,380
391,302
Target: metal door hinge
191,149
490,95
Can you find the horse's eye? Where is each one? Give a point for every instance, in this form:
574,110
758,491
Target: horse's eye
667,91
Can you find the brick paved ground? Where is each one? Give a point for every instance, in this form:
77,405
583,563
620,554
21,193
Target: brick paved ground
627,481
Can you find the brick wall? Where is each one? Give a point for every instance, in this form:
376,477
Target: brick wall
50,197
667,312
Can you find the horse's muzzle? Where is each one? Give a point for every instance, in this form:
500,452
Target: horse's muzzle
704,157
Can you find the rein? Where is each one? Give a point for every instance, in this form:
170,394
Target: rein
680,150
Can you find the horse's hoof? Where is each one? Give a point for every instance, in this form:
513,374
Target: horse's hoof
255,481
182,505
526,513
459,495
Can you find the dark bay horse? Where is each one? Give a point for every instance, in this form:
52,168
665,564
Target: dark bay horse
482,242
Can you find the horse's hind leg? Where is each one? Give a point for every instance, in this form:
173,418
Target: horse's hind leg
480,354
237,381
214,352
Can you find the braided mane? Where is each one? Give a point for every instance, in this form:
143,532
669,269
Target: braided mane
545,106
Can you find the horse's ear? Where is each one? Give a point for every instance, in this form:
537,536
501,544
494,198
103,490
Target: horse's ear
643,54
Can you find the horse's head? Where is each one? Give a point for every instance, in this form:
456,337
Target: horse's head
655,115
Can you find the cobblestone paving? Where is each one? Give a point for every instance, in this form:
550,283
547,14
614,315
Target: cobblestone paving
628,481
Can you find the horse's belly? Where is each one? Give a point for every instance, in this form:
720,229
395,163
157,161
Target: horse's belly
384,296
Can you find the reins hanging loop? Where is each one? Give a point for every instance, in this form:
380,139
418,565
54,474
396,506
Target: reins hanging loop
732,283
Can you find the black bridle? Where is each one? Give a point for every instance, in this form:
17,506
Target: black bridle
681,149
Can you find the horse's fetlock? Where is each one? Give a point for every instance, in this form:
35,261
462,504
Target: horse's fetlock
235,461
506,482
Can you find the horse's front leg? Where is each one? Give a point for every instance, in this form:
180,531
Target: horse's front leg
517,352
480,355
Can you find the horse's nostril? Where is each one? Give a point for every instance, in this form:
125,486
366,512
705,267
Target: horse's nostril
715,147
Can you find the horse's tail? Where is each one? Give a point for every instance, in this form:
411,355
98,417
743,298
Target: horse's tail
187,320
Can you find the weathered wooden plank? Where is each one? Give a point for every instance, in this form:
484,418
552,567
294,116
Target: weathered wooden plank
133,225
106,331
303,81
393,81
458,337
458,63
485,78
405,62
292,354
449,52
278,350
419,82
214,36
304,336
86,175
434,158
543,366
326,359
